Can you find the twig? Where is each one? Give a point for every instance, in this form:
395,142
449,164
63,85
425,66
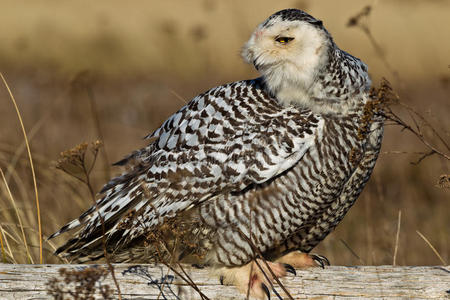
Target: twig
397,237
4,233
192,282
95,116
105,252
432,248
249,285
356,21
186,278
31,165
182,100
425,155
77,157
410,108
256,250
88,180
3,248
352,252
110,266
18,153
390,115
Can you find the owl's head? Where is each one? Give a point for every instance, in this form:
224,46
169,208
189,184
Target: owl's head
289,48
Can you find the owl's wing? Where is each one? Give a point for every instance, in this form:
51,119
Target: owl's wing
226,140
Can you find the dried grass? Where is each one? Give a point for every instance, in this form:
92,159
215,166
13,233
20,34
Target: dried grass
38,212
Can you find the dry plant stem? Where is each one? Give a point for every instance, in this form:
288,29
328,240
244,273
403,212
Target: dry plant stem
10,235
18,217
411,109
276,279
397,237
65,260
4,233
252,209
355,21
249,282
3,247
7,234
98,128
186,277
379,51
192,282
273,276
18,153
352,252
390,115
31,165
87,181
86,171
188,280
432,248
31,134
110,266
105,252
178,96
256,251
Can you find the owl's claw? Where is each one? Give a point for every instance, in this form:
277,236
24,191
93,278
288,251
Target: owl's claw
290,269
266,290
321,260
298,259
221,280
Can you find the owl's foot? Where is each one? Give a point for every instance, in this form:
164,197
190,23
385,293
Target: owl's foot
301,260
252,280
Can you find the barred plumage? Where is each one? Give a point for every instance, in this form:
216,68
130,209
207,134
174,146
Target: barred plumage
272,163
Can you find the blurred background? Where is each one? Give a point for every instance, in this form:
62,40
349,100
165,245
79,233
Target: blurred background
114,70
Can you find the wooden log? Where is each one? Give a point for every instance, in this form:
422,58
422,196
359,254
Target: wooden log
158,282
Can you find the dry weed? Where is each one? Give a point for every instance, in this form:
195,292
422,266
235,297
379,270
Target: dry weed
80,284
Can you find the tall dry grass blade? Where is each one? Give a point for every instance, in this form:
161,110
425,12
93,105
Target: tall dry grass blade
31,165
52,245
18,216
7,244
10,235
397,237
432,248
352,252
3,247
182,100
98,128
18,153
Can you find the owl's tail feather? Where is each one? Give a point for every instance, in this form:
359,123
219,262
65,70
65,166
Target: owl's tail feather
69,226
101,219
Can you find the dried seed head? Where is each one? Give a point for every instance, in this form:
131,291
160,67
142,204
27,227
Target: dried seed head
444,181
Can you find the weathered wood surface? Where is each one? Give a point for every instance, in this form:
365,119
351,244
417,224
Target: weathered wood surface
145,282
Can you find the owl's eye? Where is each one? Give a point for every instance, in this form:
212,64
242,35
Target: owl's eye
283,39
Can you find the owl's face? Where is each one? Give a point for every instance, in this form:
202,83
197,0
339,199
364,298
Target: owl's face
296,43
288,51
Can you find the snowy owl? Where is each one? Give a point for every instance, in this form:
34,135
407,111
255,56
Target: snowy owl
253,170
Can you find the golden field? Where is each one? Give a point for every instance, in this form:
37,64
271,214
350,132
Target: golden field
81,70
